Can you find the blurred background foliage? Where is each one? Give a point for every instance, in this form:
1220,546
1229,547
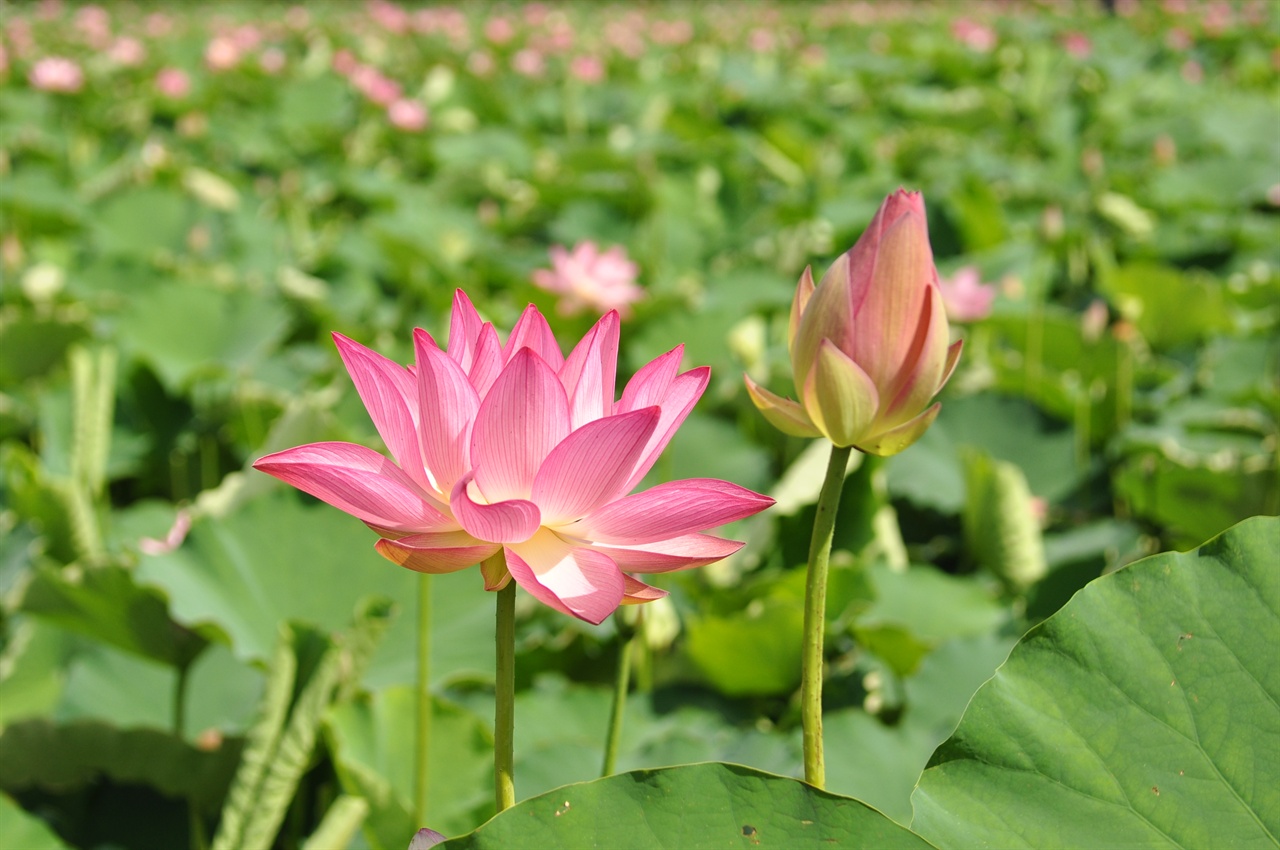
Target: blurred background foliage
174,256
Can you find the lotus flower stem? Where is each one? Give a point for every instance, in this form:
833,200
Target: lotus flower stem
628,639
422,738
504,721
815,615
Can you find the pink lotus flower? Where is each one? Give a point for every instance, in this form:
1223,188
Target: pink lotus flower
173,83
965,297
56,74
869,343
407,115
515,448
585,277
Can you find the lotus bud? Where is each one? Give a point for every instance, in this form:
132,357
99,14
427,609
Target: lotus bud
868,344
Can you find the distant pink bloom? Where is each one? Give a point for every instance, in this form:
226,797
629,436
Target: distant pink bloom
671,32
973,35
389,16
127,52
761,40
94,23
407,115
1178,39
480,63
297,17
515,448
528,62
499,30
272,60
158,25
1077,44
1192,72
4,61
56,74
177,533
345,62
1273,194
221,54
1093,321
586,277
173,83
965,297
375,85
588,69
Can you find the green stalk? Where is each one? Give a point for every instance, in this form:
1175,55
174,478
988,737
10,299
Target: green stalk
815,616
504,720
627,644
422,738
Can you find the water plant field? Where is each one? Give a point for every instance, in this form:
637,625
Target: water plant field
195,196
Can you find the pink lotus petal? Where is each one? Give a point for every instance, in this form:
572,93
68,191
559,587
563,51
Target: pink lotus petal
511,521
390,395
590,372
650,384
592,465
533,332
359,481
487,363
682,394
678,553
464,329
449,404
578,581
669,510
921,371
443,552
635,591
524,416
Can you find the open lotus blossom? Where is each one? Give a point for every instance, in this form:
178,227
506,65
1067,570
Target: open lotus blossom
869,344
515,448
964,295
588,277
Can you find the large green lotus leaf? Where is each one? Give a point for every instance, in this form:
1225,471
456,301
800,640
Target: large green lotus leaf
33,345
880,763
1143,714
372,738
137,222
691,807
275,559
55,757
104,603
192,329
22,831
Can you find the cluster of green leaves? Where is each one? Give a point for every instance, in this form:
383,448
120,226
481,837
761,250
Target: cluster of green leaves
170,269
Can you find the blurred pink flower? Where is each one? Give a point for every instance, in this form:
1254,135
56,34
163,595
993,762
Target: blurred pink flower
407,115
586,277
973,35
4,61
375,85
389,16
94,23
528,62
221,54
965,297
480,63
588,69
127,52
56,74
499,30
345,62
272,60
671,32
1077,44
515,448
173,83
172,540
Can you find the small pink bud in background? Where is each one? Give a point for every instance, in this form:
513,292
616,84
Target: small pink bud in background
407,115
345,62
480,63
1094,320
588,69
221,54
172,540
869,343
586,277
127,52
173,83
426,838
965,297
56,74
528,62
973,35
272,60
499,30
1077,44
